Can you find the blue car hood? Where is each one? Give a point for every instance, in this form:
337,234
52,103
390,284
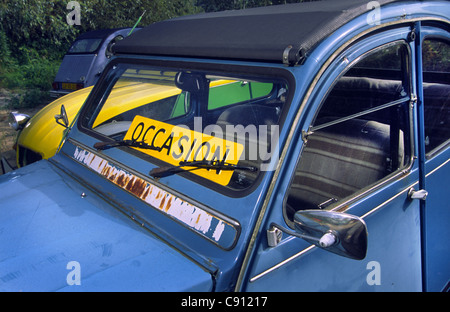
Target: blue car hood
51,238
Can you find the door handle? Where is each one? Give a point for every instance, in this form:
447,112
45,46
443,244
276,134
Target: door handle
420,194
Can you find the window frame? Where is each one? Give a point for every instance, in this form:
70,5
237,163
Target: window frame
436,37
241,70
344,203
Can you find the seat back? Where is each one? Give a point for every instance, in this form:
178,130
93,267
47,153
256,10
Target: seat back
437,114
339,160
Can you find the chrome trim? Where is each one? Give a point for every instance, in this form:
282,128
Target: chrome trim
344,206
304,251
17,120
406,190
353,116
437,168
437,150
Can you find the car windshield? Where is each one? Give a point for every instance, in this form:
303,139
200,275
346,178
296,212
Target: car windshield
219,127
85,46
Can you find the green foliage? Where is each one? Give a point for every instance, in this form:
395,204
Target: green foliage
436,56
4,47
28,99
35,35
100,14
36,24
221,5
35,73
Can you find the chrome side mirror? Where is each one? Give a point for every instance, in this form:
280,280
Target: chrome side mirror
62,119
337,232
17,121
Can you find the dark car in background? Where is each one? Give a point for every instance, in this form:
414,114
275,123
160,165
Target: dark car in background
87,57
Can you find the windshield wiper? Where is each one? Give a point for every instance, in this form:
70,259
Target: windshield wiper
202,164
139,144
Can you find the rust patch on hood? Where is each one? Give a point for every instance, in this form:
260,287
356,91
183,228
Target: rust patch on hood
198,219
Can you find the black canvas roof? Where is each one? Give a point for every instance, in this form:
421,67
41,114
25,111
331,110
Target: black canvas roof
262,34
95,34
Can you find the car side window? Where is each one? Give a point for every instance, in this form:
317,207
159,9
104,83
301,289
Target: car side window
436,92
359,136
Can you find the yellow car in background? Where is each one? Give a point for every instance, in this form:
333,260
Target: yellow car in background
40,136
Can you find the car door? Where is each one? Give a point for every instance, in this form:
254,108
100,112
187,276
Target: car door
436,209
355,155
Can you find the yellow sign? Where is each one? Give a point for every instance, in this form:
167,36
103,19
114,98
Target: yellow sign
175,144
69,86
